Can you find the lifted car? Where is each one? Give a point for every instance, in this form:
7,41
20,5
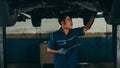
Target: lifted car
18,10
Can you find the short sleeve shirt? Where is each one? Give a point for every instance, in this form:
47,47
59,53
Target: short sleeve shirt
59,40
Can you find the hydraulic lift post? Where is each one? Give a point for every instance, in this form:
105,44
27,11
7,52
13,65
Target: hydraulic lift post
114,44
118,46
3,20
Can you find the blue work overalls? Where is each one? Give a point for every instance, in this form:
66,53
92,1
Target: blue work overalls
59,40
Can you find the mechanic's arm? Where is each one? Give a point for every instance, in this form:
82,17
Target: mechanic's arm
52,51
51,45
89,24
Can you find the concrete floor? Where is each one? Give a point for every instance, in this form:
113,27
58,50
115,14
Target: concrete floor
32,65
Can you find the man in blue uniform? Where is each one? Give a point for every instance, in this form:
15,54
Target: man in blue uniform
63,39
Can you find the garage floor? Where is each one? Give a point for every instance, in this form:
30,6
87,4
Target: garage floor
90,65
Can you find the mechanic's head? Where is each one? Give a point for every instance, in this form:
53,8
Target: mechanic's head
65,21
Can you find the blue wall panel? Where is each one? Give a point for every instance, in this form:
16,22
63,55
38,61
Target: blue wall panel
22,49
96,49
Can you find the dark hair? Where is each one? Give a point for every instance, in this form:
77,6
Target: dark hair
61,17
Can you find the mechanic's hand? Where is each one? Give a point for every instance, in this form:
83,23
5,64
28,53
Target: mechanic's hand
62,51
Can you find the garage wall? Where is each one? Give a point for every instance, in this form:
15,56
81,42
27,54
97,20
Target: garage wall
23,41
